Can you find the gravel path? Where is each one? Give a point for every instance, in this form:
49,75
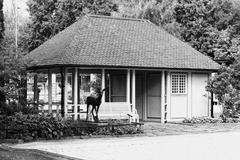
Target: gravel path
213,146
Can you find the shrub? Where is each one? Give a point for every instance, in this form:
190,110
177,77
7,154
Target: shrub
35,126
201,120
79,128
116,121
14,107
30,127
226,87
121,130
231,120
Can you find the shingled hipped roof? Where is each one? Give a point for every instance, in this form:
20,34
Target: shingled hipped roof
119,42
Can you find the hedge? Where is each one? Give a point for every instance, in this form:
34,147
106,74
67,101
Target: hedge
203,120
31,127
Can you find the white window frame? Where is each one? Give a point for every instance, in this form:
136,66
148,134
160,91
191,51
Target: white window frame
178,86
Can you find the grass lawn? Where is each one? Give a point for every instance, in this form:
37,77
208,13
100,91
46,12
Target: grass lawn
7,153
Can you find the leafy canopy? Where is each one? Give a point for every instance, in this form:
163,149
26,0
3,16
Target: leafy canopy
1,20
210,26
52,16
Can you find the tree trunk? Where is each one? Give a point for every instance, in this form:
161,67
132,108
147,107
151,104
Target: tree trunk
23,90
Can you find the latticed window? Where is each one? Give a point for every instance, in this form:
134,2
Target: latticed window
179,83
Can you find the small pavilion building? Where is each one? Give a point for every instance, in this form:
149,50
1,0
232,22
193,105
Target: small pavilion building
147,73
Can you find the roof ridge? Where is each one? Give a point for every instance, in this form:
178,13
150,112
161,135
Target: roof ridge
117,18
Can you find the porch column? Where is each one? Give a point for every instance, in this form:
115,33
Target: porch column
75,92
189,87
168,95
128,86
65,92
134,90
62,91
103,85
163,97
49,91
35,91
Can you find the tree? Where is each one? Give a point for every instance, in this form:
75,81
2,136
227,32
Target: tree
210,26
1,20
226,87
52,16
11,66
207,25
2,95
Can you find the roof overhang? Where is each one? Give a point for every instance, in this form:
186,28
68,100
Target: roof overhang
35,68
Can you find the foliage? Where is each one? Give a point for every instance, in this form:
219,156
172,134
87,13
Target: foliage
205,25
1,20
13,107
97,83
30,127
204,120
231,120
11,70
35,126
50,17
210,26
82,129
226,86
2,95
12,75
201,120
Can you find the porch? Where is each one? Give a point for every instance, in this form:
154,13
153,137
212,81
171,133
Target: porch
146,94
130,93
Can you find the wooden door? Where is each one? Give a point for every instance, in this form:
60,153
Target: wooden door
200,106
153,95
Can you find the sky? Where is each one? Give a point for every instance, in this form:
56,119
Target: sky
21,4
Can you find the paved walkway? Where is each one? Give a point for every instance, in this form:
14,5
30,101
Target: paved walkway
214,146
158,129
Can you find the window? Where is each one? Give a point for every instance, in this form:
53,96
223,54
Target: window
179,83
69,86
116,84
89,83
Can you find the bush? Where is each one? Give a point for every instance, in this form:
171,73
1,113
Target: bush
35,126
14,107
231,120
201,120
79,128
121,130
31,127
226,87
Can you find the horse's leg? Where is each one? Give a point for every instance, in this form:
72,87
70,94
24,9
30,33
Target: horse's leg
87,112
96,112
93,108
97,108
96,117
